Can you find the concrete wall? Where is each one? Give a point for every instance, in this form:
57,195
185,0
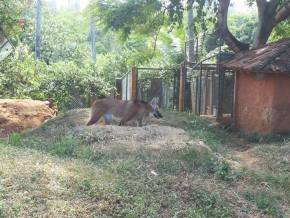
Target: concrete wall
262,105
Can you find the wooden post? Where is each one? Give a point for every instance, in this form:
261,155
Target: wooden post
181,87
134,81
118,93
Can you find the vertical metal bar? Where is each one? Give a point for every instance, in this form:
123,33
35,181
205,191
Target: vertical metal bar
212,92
200,90
185,51
196,94
127,87
220,88
205,93
234,94
196,50
134,79
174,91
181,87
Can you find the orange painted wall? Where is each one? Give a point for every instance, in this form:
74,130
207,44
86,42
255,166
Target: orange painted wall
262,105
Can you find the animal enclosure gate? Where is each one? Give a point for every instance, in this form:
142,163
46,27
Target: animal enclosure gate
211,91
146,83
205,89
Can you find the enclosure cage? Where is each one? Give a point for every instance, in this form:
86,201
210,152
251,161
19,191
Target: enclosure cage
146,83
158,82
209,88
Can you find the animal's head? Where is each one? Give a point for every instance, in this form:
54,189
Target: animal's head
154,105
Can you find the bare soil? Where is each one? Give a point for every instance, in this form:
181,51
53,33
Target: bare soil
155,134
18,115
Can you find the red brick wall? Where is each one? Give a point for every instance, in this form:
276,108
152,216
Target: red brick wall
262,105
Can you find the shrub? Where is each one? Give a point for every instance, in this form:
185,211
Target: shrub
21,76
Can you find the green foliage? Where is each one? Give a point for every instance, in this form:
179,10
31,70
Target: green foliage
10,12
19,77
281,31
209,205
15,139
265,202
64,37
65,81
243,26
2,210
144,17
224,171
214,136
23,77
64,148
149,17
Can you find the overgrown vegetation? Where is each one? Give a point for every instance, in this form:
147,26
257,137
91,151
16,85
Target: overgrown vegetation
60,175
189,182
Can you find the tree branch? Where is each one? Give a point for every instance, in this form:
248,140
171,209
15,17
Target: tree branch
283,12
223,31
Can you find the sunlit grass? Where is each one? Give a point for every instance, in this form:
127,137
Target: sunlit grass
61,176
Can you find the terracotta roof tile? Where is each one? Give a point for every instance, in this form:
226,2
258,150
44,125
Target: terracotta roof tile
273,57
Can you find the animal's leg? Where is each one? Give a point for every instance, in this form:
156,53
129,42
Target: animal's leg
127,117
96,115
140,122
108,118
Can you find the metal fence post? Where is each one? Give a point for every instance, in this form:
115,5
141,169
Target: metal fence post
181,87
134,81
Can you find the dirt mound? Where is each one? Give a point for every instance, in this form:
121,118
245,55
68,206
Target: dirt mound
156,134
151,136
18,115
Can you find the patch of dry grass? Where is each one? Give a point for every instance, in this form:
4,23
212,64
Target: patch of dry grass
34,184
54,172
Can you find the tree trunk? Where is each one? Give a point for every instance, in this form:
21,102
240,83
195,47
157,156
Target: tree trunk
263,32
38,30
191,53
190,33
266,23
223,30
268,16
93,40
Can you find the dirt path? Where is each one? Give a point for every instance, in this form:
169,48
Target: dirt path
18,115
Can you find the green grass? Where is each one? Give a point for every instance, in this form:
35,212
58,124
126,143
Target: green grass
63,177
213,135
265,202
2,210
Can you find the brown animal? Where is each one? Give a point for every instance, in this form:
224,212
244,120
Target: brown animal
126,110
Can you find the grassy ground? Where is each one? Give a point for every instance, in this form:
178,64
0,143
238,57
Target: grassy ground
63,177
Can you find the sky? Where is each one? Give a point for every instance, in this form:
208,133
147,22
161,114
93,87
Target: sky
64,4
240,5
237,5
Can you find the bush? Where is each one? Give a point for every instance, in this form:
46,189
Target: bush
21,76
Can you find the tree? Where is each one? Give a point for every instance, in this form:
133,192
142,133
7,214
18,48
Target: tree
190,33
38,29
243,26
281,31
64,37
132,15
93,32
11,11
270,14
